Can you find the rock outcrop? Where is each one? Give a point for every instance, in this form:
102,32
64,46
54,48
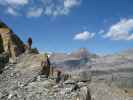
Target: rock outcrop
10,42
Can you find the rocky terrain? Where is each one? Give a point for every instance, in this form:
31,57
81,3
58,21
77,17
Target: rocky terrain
22,81
91,77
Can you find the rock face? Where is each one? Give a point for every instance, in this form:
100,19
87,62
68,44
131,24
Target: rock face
3,61
10,42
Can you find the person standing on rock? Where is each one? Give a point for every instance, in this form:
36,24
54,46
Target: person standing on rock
29,42
45,66
28,46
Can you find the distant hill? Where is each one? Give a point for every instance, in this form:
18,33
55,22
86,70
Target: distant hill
73,60
82,53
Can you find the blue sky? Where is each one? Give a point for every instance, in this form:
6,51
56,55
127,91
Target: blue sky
101,26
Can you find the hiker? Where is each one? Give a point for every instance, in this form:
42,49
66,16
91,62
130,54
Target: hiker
45,66
29,43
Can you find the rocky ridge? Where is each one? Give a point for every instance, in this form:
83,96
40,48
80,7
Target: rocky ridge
92,77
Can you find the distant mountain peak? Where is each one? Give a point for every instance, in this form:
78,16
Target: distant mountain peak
80,53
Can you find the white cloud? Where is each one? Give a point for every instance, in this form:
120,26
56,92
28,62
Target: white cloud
14,2
121,30
71,3
17,2
60,7
48,7
130,37
48,10
101,31
35,12
84,35
12,12
56,11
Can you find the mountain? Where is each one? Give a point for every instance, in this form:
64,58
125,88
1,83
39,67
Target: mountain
82,53
73,60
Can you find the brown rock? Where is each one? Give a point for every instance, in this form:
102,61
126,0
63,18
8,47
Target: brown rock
9,42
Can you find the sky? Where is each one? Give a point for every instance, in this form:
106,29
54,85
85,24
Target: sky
101,26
